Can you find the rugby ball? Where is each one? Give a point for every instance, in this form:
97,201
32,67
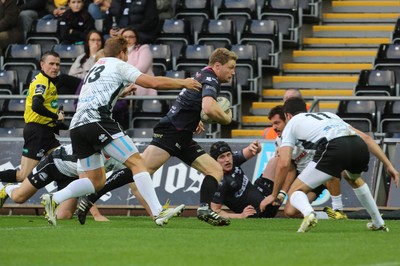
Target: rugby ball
225,105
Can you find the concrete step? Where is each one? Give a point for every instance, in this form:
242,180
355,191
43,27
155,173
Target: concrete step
247,133
315,82
344,42
334,56
307,93
353,31
372,6
311,68
263,108
359,17
254,120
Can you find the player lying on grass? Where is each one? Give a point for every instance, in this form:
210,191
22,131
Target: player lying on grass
60,166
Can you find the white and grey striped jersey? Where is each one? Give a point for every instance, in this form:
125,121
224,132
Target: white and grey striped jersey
300,156
101,88
307,129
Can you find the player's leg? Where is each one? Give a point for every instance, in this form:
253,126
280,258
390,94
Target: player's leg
336,212
66,209
213,174
19,193
309,179
124,150
364,195
94,180
116,180
27,165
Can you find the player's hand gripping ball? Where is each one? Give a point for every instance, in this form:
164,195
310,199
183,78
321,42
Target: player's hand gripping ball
225,105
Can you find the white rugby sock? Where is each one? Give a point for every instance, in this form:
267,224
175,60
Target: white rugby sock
337,203
76,188
300,201
10,189
146,188
367,201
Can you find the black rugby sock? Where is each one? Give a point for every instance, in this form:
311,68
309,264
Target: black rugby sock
208,189
116,180
8,176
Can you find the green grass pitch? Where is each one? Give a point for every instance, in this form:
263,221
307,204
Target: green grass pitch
29,240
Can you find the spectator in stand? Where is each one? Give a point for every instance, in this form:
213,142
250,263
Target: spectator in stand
164,8
75,24
99,8
55,8
9,28
140,56
141,15
84,62
31,10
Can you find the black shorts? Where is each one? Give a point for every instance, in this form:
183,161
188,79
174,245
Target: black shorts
92,138
344,153
177,143
266,186
47,172
39,139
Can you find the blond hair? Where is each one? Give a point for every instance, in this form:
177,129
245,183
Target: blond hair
114,46
222,55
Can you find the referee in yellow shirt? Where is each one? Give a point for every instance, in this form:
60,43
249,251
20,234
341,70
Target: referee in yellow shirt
41,115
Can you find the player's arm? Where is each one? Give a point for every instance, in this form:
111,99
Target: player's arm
248,211
165,83
38,107
211,108
252,150
378,152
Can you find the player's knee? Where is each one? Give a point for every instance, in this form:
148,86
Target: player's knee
64,214
19,198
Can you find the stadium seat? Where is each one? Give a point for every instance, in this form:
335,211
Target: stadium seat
44,33
29,78
288,15
359,114
237,10
22,58
10,132
376,83
193,58
388,58
194,11
390,119
217,32
162,58
68,53
140,132
175,33
248,68
9,83
264,34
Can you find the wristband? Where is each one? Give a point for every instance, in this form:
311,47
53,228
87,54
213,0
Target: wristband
282,194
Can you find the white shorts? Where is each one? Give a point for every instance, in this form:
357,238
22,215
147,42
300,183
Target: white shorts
313,177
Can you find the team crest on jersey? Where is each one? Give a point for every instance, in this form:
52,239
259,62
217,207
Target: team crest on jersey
40,88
